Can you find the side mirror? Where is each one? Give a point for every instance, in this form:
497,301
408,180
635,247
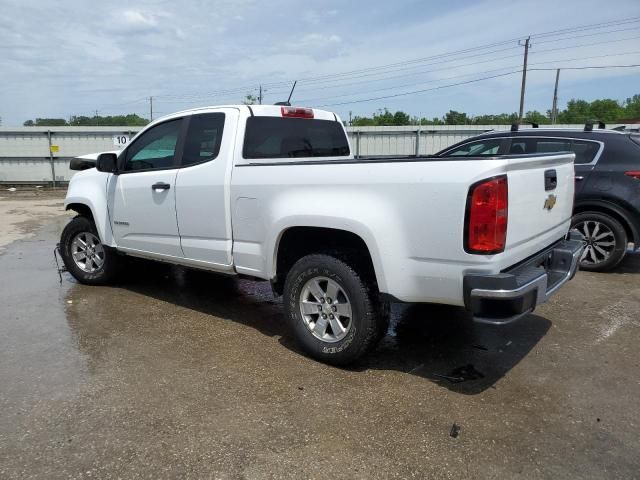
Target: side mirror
107,162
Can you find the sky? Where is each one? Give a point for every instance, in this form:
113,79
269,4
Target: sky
64,58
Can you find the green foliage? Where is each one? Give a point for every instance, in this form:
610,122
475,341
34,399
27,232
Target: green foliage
250,99
577,111
632,108
46,122
455,118
130,120
383,117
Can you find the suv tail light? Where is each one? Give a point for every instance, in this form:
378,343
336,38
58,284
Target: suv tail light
296,112
487,214
634,174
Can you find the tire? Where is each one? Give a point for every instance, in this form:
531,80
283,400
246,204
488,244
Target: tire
361,320
605,240
101,267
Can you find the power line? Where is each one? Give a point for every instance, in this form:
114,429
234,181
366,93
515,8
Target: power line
589,67
340,75
421,91
588,35
444,58
468,82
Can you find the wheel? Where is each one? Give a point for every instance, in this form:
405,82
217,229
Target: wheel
84,255
335,313
605,241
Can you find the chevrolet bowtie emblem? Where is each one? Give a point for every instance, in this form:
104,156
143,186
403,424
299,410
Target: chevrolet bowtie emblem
550,202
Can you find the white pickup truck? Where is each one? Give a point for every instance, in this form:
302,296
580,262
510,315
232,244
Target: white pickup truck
274,193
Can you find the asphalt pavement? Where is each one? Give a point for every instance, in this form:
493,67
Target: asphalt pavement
182,374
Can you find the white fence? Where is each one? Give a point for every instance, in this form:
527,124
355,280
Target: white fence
42,154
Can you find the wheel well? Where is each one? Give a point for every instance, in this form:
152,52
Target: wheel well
297,242
81,209
626,224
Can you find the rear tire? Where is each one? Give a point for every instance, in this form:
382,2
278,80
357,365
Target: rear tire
335,314
605,241
84,256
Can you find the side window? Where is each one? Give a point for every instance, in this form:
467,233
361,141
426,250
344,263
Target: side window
203,139
481,147
155,149
522,145
552,145
585,151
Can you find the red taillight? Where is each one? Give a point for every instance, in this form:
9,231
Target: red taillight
296,112
487,213
633,173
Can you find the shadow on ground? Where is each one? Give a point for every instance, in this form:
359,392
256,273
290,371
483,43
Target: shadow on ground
438,343
629,264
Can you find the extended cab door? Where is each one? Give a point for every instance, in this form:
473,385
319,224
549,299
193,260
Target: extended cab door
202,188
142,206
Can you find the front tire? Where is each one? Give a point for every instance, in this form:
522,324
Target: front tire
335,313
605,241
83,254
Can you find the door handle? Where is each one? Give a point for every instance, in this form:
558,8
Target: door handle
579,178
160,186
550,180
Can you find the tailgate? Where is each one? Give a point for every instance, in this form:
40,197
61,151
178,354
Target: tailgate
540,200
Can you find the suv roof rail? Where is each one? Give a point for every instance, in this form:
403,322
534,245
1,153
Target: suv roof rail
588,126
516,126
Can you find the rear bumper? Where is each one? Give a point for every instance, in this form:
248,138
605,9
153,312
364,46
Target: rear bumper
505,297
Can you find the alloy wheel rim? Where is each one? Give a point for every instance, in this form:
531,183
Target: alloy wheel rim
599,242
87,252
326,309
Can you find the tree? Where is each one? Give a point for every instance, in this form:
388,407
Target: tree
577,111
632,108
250,99
535,116
455,118
130,120
607,110
46,122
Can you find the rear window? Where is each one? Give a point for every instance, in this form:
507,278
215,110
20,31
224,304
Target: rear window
275,137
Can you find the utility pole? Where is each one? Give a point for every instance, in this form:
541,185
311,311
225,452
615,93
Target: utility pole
260,96
150,109
524,78
350,123
554,107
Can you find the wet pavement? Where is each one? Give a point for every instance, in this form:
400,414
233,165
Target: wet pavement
181,374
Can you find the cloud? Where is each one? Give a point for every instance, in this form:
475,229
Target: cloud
135,21
76,57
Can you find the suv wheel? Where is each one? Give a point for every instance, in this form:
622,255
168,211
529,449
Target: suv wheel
335,313
84,255
605,241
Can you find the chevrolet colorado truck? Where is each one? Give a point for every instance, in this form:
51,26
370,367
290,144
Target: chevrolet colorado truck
274,193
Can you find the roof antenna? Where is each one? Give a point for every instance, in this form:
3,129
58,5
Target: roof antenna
288,102
292,89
